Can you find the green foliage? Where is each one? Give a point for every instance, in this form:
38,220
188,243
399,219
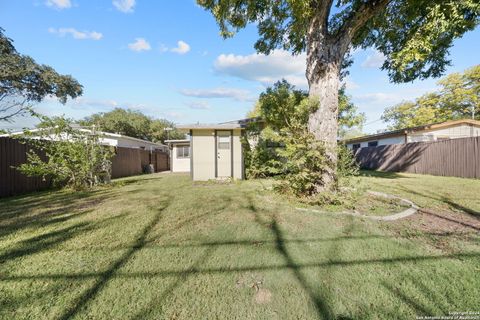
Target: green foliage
74,157
305,162
350,121
282,146
23,82
415,36
134,124
458,98
281,101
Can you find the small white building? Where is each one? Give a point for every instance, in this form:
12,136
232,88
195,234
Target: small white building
432,132
111,139
179,155
215,152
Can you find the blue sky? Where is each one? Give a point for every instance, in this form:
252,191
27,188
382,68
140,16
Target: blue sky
167,59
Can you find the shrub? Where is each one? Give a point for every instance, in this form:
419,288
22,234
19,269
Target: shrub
74,157
285,149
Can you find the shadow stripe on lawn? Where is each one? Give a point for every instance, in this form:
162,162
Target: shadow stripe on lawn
168,273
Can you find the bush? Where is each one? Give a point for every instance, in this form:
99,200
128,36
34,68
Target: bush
283,148
75,158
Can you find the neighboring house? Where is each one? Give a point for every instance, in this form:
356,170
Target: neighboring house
179,155
426,133
216,150
114,140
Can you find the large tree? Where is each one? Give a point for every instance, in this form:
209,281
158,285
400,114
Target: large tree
134,124
457,98
414,36
350,120
24,82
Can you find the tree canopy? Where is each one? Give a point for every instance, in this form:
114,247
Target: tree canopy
457,98
283,98
413,35
24,82
134,124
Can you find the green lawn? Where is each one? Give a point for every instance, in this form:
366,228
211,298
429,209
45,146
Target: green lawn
161,247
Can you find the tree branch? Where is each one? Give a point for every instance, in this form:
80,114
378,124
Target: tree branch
11,113
358,18
323,11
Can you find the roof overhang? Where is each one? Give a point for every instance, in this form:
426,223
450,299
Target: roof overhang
210,127
178,141
424,128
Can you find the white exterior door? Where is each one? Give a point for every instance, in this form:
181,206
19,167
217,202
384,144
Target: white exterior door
224,154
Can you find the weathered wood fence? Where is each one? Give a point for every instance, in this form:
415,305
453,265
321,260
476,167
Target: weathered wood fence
126,162
455,157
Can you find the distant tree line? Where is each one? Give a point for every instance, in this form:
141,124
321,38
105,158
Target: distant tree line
457,98
134,124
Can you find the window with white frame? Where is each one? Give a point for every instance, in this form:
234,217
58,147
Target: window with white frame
183,152
223,142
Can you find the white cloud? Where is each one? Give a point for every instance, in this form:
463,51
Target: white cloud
199,105
125,6
221,92
80,35
140,44
379,99
264,68
350,84
163,48
374,60
59,4
173,114
182,47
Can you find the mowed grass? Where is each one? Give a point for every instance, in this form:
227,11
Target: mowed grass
162,247
448,193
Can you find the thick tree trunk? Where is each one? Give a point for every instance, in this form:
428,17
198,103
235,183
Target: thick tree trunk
324,59
323,123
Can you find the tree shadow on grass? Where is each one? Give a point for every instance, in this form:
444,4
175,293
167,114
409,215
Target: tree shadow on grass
140,242
105,276
425,301
134,180
54,210
319,300
322,308
49,240
265,218
438,197
381,174
43,242
180,278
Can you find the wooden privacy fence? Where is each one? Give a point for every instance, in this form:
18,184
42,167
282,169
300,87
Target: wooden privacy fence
12,182
126,162
455,157
129,162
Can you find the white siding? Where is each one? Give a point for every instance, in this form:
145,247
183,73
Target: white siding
203,152
237,155
459,131
204,157
381,142
179,164
454,132
130,143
